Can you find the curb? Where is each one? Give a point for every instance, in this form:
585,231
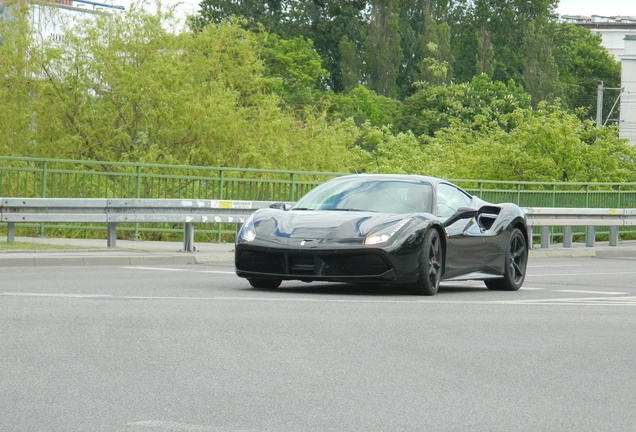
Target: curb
223,255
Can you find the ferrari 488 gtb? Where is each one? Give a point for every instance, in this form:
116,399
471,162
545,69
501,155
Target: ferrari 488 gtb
402,230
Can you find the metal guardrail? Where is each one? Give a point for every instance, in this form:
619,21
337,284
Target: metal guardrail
190,212
116,211
547,217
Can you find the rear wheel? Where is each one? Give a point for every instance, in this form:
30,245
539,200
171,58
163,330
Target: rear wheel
431,265
265,283
515,265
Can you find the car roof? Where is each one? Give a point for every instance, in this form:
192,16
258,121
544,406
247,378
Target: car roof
403,177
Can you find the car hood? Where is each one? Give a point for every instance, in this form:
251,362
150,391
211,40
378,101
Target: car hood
321,226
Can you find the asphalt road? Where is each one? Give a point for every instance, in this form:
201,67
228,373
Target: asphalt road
193,348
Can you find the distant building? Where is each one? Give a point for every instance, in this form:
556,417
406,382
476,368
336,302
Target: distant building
627,124
618,36
612,29
50,17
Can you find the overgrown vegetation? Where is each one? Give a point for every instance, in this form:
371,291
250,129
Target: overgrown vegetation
461,89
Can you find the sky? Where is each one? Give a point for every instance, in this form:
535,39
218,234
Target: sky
565,7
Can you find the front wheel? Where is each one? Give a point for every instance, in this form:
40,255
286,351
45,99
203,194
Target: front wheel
515,264
431,265
265,283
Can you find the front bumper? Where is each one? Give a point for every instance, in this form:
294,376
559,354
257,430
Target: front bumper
357,265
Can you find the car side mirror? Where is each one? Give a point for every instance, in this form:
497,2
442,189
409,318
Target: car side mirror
461,213
281,206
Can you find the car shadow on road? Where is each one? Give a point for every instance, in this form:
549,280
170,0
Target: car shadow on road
366,290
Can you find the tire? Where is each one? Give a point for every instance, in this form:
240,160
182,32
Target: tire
516,261
431,265
265,283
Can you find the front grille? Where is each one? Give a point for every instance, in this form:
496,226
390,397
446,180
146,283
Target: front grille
355,265
311,264
301,265
261,262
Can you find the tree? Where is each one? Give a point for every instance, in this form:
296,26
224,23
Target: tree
382,47
540,74
125,88
294,69
17,100
350,65
582,61
425,45
474,104
497,27
546,144
364,106
324,22
272,14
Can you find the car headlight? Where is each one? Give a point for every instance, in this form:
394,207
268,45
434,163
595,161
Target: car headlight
248,231
385,234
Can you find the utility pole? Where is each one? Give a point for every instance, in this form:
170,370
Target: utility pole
599,103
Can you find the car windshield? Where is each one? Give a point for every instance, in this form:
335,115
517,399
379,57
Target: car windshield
364,194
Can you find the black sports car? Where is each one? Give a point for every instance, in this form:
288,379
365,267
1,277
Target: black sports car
392,229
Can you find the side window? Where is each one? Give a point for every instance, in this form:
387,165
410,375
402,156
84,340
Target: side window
449,199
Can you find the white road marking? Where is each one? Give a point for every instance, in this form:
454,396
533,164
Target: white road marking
157,268
180,270
63,295
589,301
581,274
593,292
595,301
215,271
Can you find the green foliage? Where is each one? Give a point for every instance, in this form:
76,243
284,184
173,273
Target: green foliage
124,88
582,61
128,87
547,144
476,104
383,54
540,72
364,106
294,69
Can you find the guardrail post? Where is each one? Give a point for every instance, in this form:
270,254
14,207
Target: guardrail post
613,239
10,232
111,235
545,237
137,195
188,237
590,236
567,237
43,191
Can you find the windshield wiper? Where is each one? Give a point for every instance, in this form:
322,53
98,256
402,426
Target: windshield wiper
303,208
351,209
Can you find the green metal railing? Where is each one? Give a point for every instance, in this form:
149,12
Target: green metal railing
57,178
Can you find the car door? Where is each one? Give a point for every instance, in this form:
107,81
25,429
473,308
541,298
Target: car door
465,239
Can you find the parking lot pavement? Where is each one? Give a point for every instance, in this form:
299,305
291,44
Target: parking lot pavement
75,252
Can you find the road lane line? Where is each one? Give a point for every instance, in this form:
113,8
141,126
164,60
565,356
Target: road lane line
581,274
156,268
215,271
589,301
62,295
593,292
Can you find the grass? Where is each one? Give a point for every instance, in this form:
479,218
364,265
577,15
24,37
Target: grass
26,246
